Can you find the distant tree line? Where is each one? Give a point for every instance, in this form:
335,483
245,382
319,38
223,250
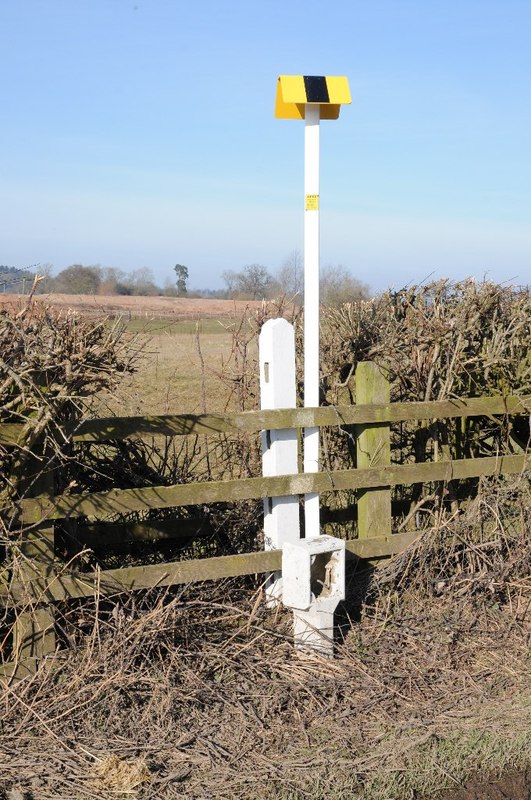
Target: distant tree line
336,285
253,282
78,279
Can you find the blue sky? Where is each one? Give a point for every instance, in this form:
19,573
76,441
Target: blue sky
140,133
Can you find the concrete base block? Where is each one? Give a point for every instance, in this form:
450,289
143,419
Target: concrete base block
313,631
313,574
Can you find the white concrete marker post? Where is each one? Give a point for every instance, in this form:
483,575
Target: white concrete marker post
279,448
313,569
311,307
313,572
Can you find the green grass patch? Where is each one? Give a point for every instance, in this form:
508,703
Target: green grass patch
179,328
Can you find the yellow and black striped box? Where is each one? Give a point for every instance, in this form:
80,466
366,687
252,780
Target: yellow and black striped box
294,92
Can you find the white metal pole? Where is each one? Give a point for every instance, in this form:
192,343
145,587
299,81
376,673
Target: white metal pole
311,306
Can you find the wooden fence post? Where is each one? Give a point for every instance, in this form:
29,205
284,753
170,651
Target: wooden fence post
373,449
34,628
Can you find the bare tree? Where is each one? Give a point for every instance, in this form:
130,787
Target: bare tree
143,282
290,277
231,281
114,281
45,271
254,282
337,285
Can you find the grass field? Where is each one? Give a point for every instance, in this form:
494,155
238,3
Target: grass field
146,308
185,345
182,367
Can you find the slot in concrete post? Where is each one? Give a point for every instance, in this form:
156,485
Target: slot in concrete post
279,448
313,574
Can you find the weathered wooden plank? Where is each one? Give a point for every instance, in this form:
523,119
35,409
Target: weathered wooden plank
65,586
34,628
10,433
103,504
13,671
382,546
16,670
373,449
277,419
157,530
100,430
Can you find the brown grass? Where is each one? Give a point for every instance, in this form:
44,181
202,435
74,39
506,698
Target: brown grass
187,346
171,308
178,372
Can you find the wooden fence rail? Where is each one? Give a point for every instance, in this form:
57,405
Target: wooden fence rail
50,582
98,505
117,428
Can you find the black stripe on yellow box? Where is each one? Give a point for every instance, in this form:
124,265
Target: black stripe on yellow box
294,92
316,89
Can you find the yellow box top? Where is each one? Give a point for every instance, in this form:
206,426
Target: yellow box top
294,92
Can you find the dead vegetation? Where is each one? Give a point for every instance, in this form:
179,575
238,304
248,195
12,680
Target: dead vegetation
196,692
438,341
200,695
51,365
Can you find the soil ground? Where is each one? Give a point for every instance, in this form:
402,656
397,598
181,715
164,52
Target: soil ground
511,787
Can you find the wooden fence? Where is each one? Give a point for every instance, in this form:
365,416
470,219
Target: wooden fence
43,581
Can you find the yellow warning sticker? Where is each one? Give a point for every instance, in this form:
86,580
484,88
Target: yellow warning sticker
312,202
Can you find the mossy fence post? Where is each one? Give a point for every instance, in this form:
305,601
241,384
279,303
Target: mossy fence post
34,628
373,449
